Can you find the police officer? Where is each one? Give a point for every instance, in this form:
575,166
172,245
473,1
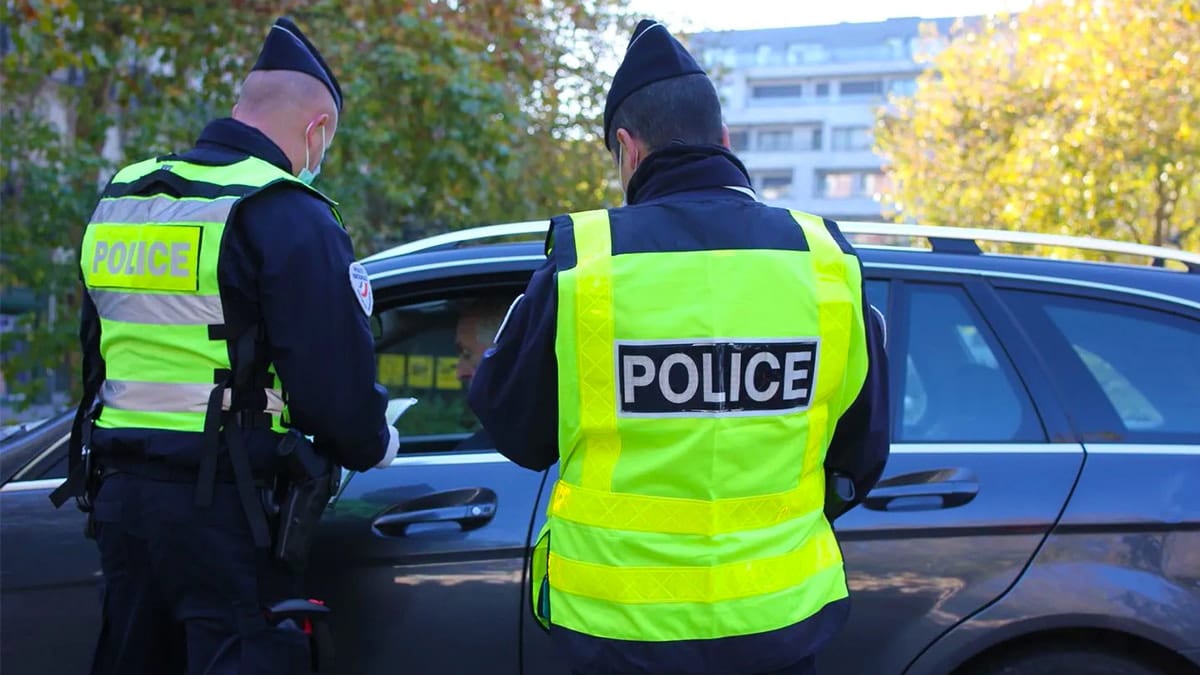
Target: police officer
223,307
701,366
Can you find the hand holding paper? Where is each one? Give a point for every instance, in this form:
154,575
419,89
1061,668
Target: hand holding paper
395,408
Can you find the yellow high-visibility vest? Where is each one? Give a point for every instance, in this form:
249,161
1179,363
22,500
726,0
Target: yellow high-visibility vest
695,411
150,266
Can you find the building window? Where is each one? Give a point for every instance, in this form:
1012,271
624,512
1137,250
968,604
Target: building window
875,183
851,184
851,138
861,88
806,53
777,91
762,56
717,56
822,90
739,139
816,139
774,185
903,87
774,140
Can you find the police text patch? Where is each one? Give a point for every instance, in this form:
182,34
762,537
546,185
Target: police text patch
143,257
735,377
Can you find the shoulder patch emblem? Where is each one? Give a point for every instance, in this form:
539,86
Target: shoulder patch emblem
360,283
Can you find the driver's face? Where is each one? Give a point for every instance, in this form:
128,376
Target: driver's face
470,348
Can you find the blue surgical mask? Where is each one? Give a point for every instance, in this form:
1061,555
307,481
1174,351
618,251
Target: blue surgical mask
306,176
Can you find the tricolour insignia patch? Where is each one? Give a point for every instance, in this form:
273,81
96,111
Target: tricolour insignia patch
360,282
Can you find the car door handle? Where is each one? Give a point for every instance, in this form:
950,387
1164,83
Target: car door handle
924,490
471,508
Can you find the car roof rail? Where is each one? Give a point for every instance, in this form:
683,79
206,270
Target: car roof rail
942,239
946,239
473,235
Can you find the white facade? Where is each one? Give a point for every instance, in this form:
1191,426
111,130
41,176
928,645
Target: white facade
801,107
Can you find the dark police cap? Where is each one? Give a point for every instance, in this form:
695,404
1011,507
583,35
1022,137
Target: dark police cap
653,55
287,48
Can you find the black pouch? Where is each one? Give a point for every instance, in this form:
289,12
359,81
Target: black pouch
312,479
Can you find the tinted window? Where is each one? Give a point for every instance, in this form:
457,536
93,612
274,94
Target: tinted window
1128,373
429,351
877,295
958,384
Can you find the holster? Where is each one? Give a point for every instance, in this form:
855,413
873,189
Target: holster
91,475
310,480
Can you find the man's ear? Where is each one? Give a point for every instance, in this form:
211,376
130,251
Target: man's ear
629,152
725,137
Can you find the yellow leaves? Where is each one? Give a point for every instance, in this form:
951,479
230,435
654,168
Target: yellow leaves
1190,10
1068,118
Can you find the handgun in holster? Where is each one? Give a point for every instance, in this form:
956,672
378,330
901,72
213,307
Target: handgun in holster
310,479
93,474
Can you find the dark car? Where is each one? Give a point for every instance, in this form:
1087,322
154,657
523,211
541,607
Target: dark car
1040,512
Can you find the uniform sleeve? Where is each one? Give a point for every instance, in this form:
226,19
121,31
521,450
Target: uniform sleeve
515,389
318,335
861,441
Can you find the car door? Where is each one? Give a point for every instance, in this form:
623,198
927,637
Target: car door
422,562
49,572
969,493
973,483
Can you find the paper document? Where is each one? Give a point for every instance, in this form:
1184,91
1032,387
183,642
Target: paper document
396,407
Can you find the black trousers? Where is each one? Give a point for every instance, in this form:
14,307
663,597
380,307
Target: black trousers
184,586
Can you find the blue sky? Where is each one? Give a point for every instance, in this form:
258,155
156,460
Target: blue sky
692,15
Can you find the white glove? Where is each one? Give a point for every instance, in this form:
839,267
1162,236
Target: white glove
392,447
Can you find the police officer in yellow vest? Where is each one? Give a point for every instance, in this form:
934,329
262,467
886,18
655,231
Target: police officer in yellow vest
699,365
224,307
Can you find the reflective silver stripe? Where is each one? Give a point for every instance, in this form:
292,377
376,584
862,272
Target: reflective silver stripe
158,308
146,210
168,397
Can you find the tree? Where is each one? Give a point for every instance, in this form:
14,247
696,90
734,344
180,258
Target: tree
459,112
1075,117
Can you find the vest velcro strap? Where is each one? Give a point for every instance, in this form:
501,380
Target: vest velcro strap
729,581
670,515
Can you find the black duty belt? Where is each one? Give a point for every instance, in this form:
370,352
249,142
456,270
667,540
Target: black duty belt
157,469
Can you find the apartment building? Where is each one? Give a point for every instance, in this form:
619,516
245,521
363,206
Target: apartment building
801,105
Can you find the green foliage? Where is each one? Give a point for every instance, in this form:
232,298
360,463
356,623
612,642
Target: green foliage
1073,118
458,113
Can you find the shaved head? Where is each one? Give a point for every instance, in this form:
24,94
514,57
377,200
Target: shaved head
292,109
271,91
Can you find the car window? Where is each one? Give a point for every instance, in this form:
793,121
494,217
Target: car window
959,385
430,350
878,295
1130,371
